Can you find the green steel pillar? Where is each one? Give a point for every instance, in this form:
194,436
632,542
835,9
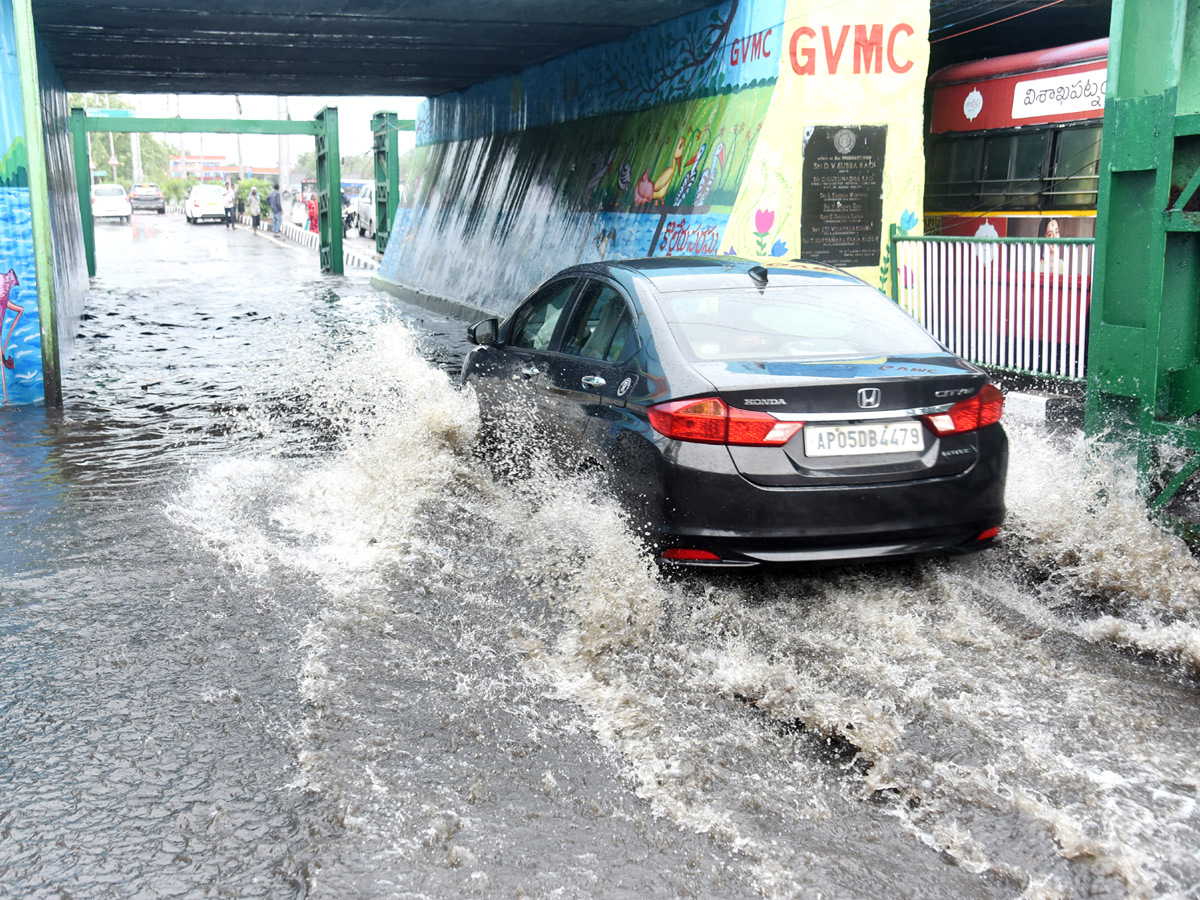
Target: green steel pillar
385,127
39,199
1144,353
83,186
329,190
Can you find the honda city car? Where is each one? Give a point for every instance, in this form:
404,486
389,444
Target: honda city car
109,201
748,415
205,201
148,196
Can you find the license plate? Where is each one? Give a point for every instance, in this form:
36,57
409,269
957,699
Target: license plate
863,439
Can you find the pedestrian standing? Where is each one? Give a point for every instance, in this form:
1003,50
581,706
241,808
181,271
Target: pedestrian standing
312,212
275,203
230,198
254,208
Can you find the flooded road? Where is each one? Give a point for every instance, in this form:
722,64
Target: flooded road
269,628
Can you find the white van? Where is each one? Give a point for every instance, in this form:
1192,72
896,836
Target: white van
364,208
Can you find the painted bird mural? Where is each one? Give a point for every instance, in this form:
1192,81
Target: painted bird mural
689,177
600,167
663,182
625,172
709,176
643,191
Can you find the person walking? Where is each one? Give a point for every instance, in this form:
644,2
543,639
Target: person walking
312,212
230,198
254,208
275,203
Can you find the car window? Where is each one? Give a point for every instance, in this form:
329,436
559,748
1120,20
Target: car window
793,323
534,324
601,326
110,190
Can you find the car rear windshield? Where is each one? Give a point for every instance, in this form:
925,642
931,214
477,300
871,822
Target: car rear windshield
793,323
110,190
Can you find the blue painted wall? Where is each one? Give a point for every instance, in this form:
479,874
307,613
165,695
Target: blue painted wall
20,325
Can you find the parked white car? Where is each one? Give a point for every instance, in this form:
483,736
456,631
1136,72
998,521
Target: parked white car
205,201
364,208
109,201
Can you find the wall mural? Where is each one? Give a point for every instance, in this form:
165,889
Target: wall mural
20,327
689,138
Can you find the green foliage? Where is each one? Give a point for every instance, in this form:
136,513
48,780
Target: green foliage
306,164
359,166
175,189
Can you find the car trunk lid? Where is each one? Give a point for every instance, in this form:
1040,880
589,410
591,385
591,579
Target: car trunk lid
861,417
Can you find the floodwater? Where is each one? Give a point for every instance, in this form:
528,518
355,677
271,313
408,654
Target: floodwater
269,628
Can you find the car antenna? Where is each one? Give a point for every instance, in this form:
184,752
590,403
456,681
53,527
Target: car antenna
759,274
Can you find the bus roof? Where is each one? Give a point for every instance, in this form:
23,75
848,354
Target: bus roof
1019,63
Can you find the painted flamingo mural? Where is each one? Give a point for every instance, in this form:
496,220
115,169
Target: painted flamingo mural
7,282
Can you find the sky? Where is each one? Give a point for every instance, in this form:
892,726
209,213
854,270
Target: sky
354,122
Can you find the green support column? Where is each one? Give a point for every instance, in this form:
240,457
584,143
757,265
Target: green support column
1144,353
39,199
83,186
385,128
329,191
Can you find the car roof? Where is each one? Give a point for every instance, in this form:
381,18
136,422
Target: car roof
669,274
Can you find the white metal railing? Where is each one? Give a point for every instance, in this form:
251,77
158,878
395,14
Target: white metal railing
1007,302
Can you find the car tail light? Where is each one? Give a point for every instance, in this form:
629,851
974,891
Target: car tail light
710,421
989,533
985,408
681,554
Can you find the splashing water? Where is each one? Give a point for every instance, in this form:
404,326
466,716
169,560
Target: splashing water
1078,516
825,732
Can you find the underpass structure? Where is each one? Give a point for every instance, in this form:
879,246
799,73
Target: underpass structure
554,133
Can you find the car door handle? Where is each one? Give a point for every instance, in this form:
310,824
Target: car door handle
531,371
593,381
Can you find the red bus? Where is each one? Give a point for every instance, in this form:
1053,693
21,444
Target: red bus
1014,144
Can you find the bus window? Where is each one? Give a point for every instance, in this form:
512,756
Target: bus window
952,175
997,160
1076,173
1013,170
1029,161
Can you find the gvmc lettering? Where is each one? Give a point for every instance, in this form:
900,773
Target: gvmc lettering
867,56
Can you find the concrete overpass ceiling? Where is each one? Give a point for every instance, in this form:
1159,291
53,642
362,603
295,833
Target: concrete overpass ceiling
323,47
419,48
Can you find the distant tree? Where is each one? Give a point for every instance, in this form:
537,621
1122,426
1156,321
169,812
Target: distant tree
155,154
306,164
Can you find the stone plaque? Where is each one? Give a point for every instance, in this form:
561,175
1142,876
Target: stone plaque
841,209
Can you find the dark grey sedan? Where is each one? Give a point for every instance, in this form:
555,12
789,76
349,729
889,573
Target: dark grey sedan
750,415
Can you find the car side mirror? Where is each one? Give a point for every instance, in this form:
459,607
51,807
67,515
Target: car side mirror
484,332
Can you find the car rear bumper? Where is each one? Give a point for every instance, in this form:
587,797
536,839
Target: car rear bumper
707,505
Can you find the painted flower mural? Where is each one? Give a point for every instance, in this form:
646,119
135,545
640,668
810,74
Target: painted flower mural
764,219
